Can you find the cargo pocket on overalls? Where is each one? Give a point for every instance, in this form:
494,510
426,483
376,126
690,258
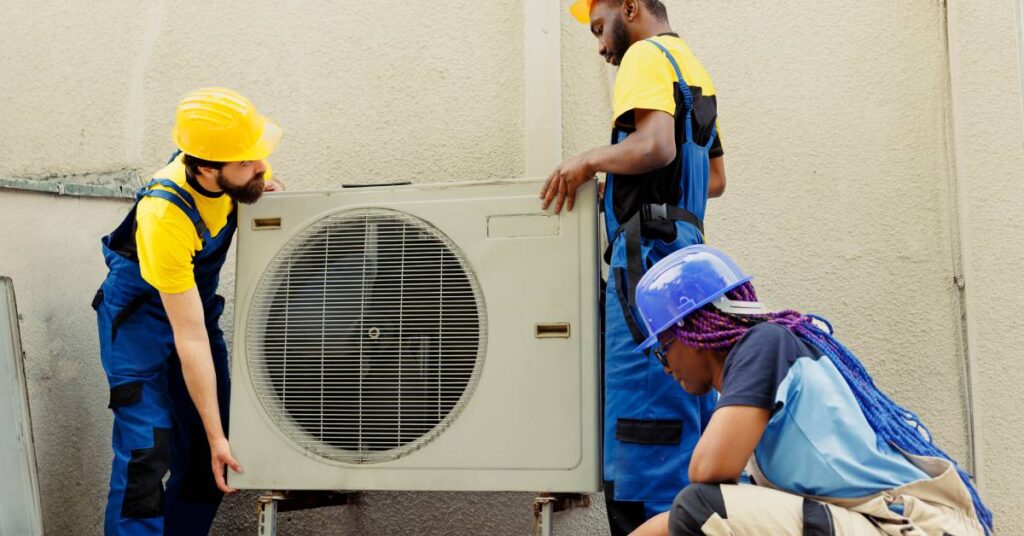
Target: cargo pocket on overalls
648,453
649,432
126,312
144,492
125,395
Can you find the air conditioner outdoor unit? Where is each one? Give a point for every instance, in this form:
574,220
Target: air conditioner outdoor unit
430,337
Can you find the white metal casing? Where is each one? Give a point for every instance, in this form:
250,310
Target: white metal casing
532,420
20,510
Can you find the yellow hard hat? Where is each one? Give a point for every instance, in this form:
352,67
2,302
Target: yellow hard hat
581,10
220,125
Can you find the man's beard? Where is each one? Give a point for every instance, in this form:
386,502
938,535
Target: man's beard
620,40
248,193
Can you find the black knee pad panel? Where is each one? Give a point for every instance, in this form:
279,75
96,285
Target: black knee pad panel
693,507
144,493
817,519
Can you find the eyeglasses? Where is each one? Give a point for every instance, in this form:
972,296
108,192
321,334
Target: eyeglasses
661,352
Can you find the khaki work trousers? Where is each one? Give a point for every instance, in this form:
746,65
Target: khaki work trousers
938,506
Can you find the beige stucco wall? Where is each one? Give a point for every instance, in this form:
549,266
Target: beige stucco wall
989,144
363,93
844,195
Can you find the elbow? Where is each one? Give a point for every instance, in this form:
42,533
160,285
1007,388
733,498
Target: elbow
661,153
716,187
698,472
716,182
708,472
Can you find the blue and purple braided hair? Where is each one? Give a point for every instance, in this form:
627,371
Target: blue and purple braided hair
710,328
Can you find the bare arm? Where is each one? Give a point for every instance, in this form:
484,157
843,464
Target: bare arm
720,455
650,147
716,180
655,526
727,444
185,311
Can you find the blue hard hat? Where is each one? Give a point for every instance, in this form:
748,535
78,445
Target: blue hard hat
680,284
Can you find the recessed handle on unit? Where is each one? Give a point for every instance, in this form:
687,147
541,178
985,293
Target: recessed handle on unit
557,330
266,224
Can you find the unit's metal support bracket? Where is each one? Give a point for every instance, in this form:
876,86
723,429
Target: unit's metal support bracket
273,502
546,504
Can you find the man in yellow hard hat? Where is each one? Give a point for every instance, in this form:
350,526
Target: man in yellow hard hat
158,311
664,161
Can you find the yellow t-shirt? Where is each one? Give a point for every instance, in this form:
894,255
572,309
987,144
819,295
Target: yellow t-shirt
646,80
166,239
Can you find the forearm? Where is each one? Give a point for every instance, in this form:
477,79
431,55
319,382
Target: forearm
201,380
717,460
649,147
727,444
631,157
706,469
192,342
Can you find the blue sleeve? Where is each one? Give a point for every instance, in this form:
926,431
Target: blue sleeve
757,365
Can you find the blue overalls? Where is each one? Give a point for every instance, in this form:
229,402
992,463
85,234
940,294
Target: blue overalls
650,425
156,426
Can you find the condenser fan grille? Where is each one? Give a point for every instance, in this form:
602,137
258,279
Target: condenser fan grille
365,335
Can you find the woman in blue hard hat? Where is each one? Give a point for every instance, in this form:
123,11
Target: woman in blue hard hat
828,452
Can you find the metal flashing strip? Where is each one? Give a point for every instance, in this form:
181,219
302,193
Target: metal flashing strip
117,184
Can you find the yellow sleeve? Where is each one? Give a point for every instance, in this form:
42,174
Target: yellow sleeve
269,173
166,244
645,80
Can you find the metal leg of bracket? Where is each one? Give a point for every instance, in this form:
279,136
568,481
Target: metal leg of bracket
276,501
545,505
542,511
267,508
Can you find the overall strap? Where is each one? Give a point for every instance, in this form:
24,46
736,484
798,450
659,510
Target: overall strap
711,139
142,191
189,207
626,280
190,211
622,279
182,193
684,88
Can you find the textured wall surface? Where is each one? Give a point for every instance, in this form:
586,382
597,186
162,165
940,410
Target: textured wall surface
428,91
843,197
990,164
